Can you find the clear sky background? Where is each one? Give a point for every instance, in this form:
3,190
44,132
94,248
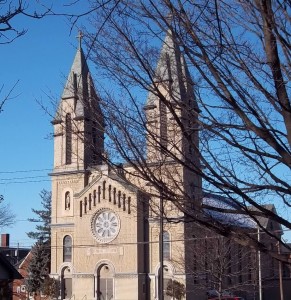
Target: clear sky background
40,60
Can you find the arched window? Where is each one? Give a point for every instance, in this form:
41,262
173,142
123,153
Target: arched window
67,248
166,245
68,139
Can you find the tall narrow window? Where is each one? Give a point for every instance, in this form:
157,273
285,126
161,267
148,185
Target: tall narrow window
75,84
163,126
94,143
166,244
67,249
104,189
68,139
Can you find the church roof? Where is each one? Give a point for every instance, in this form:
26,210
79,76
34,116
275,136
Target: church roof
113,174
79,68
263,221
172,71
235,219
77,85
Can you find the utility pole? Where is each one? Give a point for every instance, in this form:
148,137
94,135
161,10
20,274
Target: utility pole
280,275
161,252
260,267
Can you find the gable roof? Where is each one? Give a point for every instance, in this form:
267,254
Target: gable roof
238,219
234,219
266,222
10,270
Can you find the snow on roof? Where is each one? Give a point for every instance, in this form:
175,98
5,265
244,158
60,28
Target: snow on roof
233,219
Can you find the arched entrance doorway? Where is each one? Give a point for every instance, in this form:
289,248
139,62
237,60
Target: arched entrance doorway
105,282
66,283
168,276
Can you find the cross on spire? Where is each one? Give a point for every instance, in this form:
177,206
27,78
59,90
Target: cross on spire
79,37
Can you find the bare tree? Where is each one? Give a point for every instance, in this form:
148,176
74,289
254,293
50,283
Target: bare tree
7,218
238,55
223,267
13,10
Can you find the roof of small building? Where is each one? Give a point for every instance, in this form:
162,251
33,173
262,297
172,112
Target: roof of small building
10,270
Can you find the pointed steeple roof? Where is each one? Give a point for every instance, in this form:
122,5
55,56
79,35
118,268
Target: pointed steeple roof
77,76
76,86
172,71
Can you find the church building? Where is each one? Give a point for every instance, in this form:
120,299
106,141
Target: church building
107,241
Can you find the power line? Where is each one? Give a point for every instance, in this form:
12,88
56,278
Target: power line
24,171
28,181
20,178
120,244
25,179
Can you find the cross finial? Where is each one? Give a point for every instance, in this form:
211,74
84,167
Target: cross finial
79,37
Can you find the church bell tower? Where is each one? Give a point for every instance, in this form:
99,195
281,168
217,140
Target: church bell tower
172,120
78,123
173,155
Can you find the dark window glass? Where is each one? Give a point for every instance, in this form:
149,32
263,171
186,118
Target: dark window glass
166,245
68,139
67,248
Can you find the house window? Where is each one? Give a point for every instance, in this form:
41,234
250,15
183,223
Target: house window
67,249
23,288
166,245
68,139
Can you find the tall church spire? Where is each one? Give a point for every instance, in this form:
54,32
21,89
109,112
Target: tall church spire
79,120
77,84
172,72
172,99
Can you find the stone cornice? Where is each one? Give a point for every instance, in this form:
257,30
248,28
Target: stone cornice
66,172
62,225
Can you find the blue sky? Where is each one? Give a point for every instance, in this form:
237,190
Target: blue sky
40,60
